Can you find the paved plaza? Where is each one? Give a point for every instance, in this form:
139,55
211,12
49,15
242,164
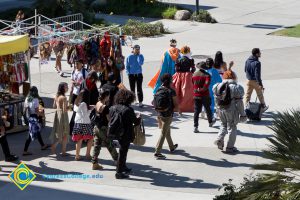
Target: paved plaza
197,168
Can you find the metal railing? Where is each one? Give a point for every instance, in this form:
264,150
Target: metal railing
76,18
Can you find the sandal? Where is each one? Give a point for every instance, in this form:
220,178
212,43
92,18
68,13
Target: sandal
64,154
77,158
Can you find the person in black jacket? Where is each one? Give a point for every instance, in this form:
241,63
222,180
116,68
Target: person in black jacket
253,74
123,100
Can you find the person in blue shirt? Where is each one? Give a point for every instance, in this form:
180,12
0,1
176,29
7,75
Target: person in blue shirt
134,64
215,78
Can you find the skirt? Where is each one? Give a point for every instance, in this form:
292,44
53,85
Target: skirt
183,85
82,132
61,127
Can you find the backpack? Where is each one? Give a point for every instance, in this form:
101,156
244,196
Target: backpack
115,125
224,95
162,99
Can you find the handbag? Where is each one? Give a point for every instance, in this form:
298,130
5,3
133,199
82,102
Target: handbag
140,136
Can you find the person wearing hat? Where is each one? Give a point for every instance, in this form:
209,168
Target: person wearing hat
168,65
201,80
134,64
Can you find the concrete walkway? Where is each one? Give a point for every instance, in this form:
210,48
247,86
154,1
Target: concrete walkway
198,168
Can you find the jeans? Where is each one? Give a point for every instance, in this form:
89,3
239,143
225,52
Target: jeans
137,79
4,145
165,134
99,139
124,147
198,103
253,85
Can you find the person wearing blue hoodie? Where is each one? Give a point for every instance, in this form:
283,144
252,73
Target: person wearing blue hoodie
215,78
253,74
134,65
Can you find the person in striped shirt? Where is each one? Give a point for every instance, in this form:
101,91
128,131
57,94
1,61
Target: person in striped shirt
201,80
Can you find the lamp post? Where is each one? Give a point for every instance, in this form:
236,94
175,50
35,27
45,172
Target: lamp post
197,7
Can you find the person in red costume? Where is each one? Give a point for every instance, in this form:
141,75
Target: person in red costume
105,45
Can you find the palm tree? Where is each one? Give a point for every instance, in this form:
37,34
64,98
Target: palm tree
284,152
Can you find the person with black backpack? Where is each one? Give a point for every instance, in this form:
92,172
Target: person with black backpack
201,80
229,99
165,103
121,128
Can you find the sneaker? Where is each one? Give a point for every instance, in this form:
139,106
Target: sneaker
232,150
11,158
159,156
196,130
220,144
174,148
96,166
213,122
264,109
121,176
141,105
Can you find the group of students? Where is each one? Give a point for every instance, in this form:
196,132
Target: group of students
208,82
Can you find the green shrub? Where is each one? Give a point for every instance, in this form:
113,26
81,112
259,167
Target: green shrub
203,16
169,13
138,29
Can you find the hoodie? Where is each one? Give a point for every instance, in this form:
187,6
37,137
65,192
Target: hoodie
253,69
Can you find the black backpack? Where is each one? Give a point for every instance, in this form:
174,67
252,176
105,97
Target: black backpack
115,125
224,95
162,99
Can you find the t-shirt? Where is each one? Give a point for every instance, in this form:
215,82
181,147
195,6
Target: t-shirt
170,111
77,77
32,106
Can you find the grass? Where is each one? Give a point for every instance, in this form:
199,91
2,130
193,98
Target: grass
169,13
290,32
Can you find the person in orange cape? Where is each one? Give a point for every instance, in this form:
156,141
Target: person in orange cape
182,80
168,65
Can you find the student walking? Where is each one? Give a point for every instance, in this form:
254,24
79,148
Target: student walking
134,71
165,103
83,129
32,108
100,130
111,87
4,144
122,122
229,98
253,74
201,81
60,130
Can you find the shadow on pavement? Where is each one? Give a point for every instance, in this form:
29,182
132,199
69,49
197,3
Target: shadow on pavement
253,135
166,179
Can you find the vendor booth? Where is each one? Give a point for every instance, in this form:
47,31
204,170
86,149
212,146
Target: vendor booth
14,74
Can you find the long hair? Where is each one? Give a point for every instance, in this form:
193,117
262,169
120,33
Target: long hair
33,93
61,91
124,97
219,60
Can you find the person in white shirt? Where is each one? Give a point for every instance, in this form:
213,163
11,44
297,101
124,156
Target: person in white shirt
83,129
32,108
